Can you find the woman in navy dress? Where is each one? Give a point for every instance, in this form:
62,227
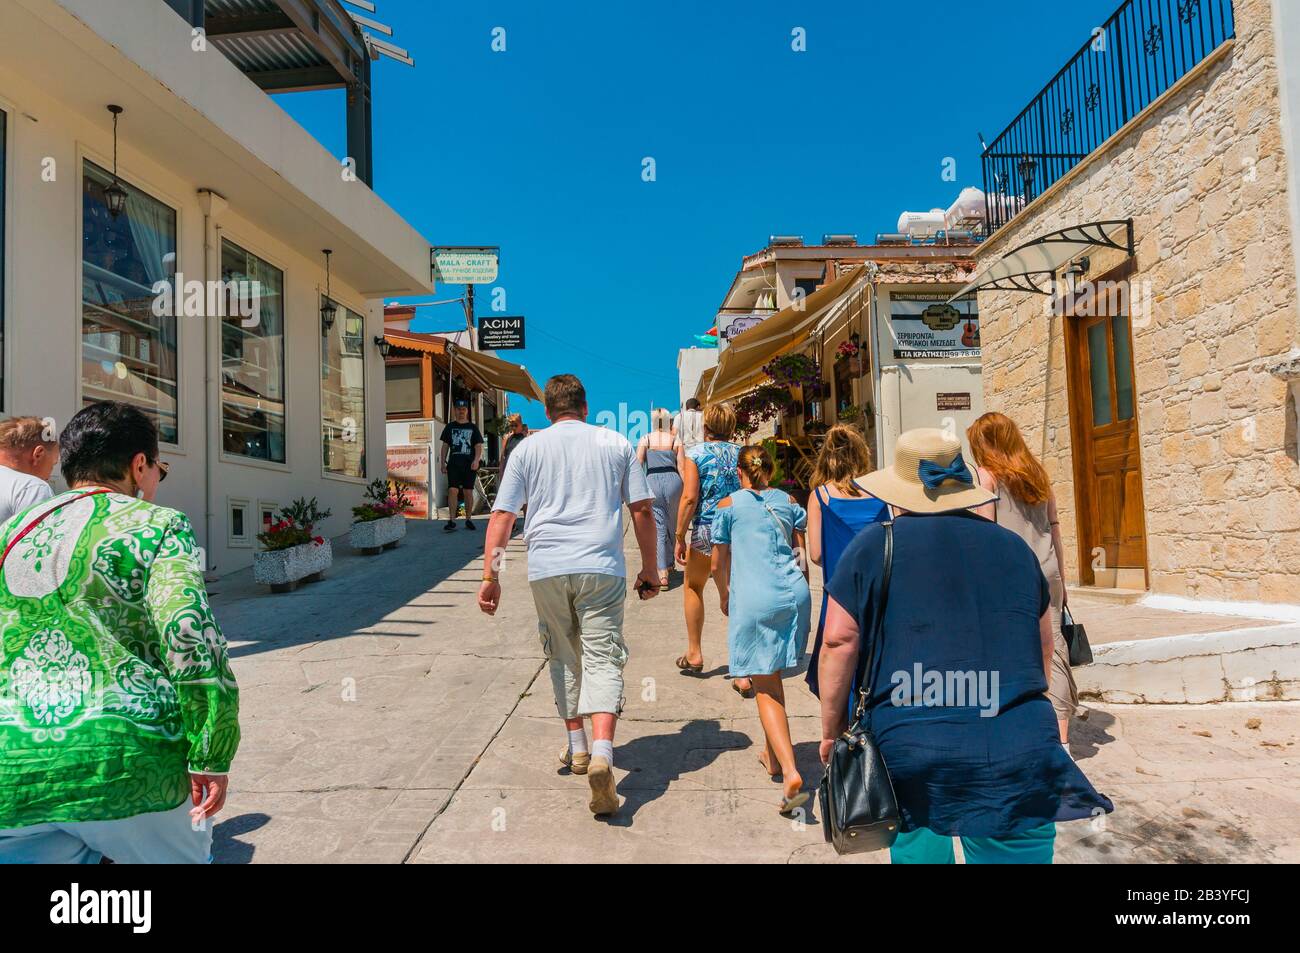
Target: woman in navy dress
838,509
957,700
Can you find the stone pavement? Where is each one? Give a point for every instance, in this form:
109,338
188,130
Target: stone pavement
386,720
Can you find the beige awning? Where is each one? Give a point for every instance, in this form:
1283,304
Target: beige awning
1023,268
740,366
706,379
496,373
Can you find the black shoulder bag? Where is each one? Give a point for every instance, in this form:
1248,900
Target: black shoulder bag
859,810
1076,639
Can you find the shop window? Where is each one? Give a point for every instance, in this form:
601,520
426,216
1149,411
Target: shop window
402,388
343,395
240,530
128,329
1122,340
252,358
806,286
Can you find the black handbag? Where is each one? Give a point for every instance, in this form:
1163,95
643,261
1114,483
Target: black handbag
856,797
1076,637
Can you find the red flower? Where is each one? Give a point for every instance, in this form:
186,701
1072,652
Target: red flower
318,540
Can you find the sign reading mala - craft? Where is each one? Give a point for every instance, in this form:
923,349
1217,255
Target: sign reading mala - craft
926,326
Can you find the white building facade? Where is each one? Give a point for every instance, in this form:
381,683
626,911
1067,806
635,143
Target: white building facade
254,409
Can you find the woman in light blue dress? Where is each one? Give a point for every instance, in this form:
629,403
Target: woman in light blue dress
758,539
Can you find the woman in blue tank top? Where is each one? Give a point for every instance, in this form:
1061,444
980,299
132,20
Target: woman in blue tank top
838,509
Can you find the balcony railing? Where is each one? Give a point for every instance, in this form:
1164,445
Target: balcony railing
1140,52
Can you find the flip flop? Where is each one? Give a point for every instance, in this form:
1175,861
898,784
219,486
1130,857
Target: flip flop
744,692
687,667
791,804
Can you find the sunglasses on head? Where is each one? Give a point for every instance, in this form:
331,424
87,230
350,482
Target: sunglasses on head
163,467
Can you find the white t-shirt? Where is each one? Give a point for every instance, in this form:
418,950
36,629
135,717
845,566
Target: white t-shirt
19,491
689,427
574,478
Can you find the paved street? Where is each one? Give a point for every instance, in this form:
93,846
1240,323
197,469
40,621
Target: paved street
386,720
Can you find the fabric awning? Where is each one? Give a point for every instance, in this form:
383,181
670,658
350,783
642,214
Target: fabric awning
706,379
740,366
413,341
490,373
495,372
1023,268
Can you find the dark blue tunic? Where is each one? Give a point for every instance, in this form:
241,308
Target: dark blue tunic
957,699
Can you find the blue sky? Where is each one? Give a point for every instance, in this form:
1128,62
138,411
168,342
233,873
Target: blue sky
539,148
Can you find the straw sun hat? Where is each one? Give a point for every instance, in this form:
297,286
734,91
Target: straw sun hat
928,475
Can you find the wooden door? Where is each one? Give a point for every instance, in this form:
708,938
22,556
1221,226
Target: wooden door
1107,468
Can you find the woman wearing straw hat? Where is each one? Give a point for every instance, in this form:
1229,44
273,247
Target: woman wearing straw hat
956,697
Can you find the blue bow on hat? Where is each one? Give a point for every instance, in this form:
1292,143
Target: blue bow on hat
935,475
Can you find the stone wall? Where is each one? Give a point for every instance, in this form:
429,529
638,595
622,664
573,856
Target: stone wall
1203,175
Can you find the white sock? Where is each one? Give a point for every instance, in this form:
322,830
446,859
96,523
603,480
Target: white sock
603,748
578,741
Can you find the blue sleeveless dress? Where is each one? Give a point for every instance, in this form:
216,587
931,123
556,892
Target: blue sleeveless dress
768,621
842,519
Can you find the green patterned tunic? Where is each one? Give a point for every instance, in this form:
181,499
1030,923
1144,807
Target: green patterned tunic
115,682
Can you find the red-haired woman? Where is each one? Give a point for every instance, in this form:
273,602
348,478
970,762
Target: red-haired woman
1027,507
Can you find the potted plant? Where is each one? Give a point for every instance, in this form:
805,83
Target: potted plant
379,523
293,552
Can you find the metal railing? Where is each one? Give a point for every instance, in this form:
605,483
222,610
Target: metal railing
1140,52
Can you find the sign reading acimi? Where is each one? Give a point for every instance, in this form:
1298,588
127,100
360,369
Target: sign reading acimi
499,332
465,266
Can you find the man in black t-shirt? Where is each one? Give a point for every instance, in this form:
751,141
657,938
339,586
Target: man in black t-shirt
462,450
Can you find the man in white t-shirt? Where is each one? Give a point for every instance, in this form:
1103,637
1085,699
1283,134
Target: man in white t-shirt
575,479
27,456
688,425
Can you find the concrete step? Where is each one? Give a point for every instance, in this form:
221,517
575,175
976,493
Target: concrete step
1247,664
1121,596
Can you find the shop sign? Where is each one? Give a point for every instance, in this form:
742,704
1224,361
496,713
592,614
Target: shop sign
412,469
465,266
926,326
500,333
952,401
731,324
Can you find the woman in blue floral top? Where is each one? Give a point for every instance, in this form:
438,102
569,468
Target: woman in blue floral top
708,477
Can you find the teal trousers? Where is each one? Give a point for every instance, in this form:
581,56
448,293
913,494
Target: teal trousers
924,846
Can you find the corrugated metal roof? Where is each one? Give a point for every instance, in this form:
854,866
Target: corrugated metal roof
267,51
272,52
228,7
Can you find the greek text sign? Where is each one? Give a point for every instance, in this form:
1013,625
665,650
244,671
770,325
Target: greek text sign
926,326
465,266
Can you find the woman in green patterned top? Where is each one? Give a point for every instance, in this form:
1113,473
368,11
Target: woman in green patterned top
116,696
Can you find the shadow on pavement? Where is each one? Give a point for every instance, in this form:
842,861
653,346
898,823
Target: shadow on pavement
226,847
1088,735
357,593
656,761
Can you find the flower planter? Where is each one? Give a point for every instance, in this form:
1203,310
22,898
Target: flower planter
374,536
283,569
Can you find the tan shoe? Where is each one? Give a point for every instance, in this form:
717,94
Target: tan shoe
604,799
577,763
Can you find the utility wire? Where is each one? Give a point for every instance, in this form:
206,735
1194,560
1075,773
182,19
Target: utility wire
603,358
